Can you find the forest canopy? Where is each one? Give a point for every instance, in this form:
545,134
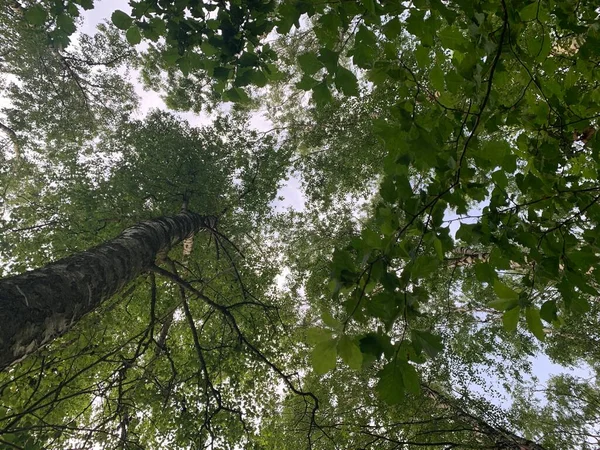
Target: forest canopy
435,287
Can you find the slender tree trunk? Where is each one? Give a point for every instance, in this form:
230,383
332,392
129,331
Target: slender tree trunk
40,305
503,439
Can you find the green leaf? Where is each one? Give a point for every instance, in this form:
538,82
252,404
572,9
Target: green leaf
86,4
504,292
236,95
376,344
309,63
436,77
424,265
408,351
307,83
495,150
243,77
383,306
65,23
485,273
503,304
578,305
330,321
289,15
349,352
342,266
422,28
498,260
369,5
510,319
499,177
170,57
213,24
390,386
371,239
345,81
133,35
121,20
422,56
321,94
388,190
324,356
259,79
221,73
208,49
329,58
316,335
430,343
36,15
548,311
364,51
468,232
529,12
437,244
248,59
410,378
534,322
452,38
392,28
72,10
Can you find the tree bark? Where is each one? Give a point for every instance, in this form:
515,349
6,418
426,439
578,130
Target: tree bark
40,305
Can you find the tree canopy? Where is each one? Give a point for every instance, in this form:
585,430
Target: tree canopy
447,245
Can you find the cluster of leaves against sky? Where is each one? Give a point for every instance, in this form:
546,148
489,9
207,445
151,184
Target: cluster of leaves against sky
448,155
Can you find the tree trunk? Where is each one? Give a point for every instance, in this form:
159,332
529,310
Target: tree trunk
503,439
40,305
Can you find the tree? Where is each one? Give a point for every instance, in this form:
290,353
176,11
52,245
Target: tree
41,304
472,126
208,167
51,85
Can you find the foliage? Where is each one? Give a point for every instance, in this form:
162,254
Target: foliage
449,158
98,368
59,93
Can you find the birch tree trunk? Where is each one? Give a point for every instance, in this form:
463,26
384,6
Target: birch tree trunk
40,305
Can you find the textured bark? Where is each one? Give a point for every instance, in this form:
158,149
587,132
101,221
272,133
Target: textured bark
40,305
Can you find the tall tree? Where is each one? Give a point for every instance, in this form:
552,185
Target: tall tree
214,168
40,305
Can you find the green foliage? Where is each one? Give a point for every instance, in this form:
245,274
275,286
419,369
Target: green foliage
121,20
133,36
391,382
163,162
62,95
510,318
324,356
36,15
448,153
430,343
350,352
